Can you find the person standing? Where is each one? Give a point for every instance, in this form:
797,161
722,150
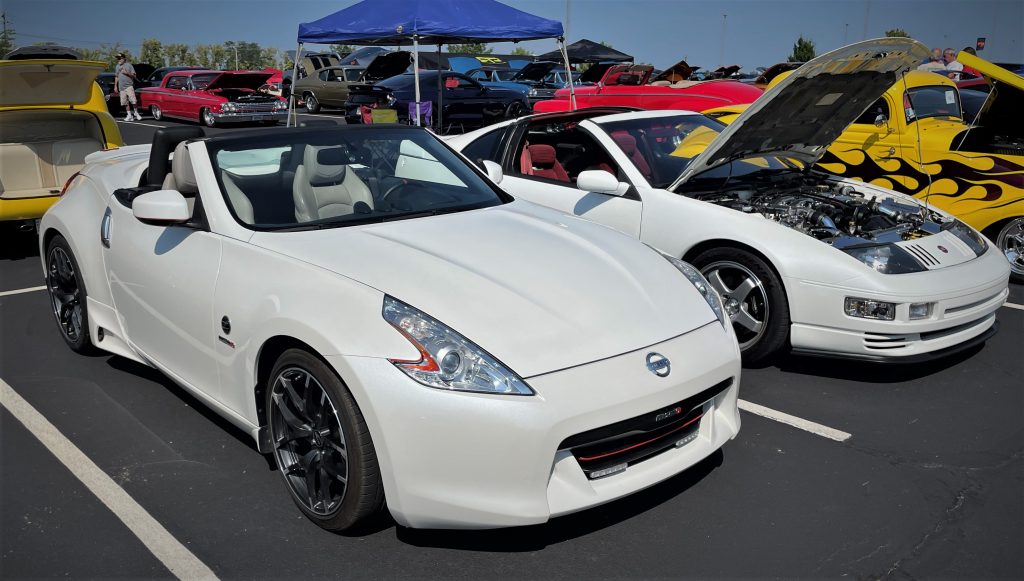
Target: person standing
934,62
124,85
953,66
970,70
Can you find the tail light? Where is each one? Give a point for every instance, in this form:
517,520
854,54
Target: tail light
67,184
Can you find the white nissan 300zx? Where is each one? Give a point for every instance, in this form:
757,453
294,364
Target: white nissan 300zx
803,259
389,324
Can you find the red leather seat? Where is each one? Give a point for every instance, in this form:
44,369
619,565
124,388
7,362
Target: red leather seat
545,164
627,143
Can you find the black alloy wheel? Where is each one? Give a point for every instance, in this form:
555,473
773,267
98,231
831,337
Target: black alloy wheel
321,444
312,105
753,298
66,289
515,109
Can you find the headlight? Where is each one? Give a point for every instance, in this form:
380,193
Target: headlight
391,100
447,359
228,107
281,105
887,259
970,237
701,284
532,92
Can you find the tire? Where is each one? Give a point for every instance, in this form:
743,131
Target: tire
515,109
292,406
155,111
312,105
66,289
1011,240
206,117
754,299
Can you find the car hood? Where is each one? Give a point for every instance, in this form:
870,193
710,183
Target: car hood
247,80
680,71
387,65
802,115
539,290
534,71
1006,98
47,82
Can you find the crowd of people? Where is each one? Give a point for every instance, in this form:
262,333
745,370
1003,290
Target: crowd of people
946,61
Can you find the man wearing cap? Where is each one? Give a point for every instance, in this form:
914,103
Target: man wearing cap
124,85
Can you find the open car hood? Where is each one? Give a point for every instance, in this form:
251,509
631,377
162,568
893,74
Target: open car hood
680,71
534,71
47,82
387,65
1003,105
594,73
803,114
247,80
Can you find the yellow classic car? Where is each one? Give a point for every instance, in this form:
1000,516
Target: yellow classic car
914,140
52,114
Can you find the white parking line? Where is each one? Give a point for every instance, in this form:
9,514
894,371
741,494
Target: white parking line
799,423
139,123
178,559
22,290
1014,306
336,117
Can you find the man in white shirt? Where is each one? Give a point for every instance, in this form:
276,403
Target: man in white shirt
953,66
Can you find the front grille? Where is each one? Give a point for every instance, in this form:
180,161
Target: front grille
880,341
944,332
254,107
968,306
640,438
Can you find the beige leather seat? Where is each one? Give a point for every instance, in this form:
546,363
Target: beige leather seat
325,187
183,178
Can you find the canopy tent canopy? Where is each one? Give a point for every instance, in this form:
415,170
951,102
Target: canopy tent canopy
432,22
588,51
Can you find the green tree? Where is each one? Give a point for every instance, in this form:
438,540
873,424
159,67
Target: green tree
269,57
6,36
521,51
342,49
803,50
470,48
152,52
176,54
896,33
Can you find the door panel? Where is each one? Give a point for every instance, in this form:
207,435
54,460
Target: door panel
614,211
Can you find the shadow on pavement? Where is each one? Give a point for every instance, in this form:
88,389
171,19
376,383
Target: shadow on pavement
16,244
535,537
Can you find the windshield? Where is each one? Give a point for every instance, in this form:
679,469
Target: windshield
661,147
200,82
934,101
316,178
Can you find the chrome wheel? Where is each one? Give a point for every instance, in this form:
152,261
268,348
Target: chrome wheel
155,112
309,443
208,119
1011,243
744,297
312,106
65,294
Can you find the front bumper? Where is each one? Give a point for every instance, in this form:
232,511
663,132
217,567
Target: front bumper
250,117
458,460
960,317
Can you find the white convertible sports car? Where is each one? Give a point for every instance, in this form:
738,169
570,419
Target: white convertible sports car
826,265
389,324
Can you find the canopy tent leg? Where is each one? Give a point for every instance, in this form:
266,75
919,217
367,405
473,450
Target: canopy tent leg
291,92
568,73
440,93
416,73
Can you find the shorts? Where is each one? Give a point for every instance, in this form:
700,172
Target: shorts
128,96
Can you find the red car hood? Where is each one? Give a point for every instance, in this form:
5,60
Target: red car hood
240,80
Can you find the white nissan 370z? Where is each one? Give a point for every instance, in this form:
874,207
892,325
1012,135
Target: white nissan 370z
390,325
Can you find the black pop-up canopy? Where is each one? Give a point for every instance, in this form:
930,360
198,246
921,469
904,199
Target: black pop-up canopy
588,51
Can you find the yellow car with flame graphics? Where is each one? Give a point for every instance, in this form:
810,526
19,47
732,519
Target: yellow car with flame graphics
914,140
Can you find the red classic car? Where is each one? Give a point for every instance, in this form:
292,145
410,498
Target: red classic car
628,86
214,98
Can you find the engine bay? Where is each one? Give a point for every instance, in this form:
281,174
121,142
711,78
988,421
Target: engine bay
836,213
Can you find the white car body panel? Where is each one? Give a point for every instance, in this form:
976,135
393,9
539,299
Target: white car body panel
572,306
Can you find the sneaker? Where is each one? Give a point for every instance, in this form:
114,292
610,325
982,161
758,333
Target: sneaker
137,116
129,117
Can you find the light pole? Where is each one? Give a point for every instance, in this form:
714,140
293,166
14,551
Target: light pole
846,30
231,44
721,51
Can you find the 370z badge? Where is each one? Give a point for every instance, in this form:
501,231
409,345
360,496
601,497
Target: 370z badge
658,364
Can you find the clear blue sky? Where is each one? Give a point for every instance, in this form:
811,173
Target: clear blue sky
756,32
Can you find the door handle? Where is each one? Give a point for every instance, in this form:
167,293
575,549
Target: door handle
892,151
105,229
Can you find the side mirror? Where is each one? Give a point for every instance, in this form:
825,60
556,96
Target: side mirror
162,207
881,120
601,182
493,171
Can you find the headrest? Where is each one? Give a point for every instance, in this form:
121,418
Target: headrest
543,155
181,168
325,165
625,141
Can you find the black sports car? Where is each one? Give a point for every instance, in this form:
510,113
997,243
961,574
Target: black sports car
466,103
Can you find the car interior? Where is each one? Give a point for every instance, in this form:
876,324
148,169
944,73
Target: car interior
559,152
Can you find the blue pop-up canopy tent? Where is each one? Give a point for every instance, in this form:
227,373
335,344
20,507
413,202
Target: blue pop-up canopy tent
415,22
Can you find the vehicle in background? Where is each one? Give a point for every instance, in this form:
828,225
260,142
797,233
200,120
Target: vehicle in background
363,56
155,78
106,83
806,260
497,76
328,87
467,104
627,86
341,326
214,98
52,115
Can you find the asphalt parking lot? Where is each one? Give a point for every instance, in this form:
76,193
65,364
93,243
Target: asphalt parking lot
926,481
